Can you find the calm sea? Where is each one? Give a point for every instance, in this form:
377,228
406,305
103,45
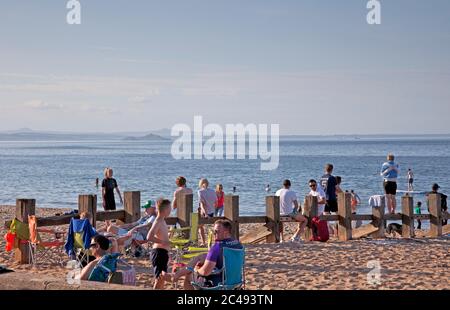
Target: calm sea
55,173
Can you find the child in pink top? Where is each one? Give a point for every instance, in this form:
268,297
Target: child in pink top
220,200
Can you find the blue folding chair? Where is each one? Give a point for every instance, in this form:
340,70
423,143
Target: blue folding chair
78,240
233,271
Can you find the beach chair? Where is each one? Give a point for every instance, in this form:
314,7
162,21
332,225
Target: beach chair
19,233
78,240
40,249
232,272
184,251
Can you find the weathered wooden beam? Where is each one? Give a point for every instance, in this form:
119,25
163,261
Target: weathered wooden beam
407,216
361,217
24,208
329,217
185,206
111,215
379,219
132,206
273,218
252,219
435,215
231,212
54,220
393,217
344,212
88,203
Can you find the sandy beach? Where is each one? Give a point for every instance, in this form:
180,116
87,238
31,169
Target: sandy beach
419,263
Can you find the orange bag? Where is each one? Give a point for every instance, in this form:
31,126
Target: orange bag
10,238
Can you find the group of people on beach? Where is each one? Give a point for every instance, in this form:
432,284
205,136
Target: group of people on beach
325,190
152,227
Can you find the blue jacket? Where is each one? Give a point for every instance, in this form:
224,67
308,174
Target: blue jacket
390,175
78,226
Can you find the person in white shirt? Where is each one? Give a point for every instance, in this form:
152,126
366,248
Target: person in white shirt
207,199
289,207
317,191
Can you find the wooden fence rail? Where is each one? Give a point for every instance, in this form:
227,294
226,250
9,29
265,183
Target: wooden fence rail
272,220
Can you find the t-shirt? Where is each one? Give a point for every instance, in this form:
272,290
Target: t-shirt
287,198
328,183
320,194
417,210
220,199
109,184
215,255
390,175
145,220
208,197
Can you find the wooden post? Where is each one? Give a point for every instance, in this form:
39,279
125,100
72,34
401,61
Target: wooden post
24,207
378,219
273,218
231,212
435,215
88,203
311,210
344,213
132,206
407,216
185,206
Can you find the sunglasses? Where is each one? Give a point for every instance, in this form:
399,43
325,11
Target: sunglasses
312,185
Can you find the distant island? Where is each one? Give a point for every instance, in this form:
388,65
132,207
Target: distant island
149,137
26,134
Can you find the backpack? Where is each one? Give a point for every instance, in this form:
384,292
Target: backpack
319,230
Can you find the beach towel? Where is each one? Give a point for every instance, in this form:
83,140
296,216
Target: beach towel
375,200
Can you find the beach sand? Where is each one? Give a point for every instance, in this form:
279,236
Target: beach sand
405,263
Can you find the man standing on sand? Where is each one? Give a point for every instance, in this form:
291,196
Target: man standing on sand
289,207
159,235
389,172
329,182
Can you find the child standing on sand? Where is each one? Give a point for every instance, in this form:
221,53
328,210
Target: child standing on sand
220,200
159,234
417,210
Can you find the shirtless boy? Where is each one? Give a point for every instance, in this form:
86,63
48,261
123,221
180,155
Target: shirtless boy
159,235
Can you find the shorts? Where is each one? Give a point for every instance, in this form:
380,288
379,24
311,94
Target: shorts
390,187
411,181
160,260
331,206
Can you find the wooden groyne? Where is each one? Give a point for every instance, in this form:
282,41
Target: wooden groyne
272,220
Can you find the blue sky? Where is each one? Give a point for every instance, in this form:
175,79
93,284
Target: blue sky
312,66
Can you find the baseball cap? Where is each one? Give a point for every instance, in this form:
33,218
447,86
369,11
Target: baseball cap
149,204
435,186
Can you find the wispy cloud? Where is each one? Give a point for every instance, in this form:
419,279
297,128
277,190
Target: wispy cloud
42,105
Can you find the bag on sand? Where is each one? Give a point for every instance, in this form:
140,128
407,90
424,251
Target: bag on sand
319,230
